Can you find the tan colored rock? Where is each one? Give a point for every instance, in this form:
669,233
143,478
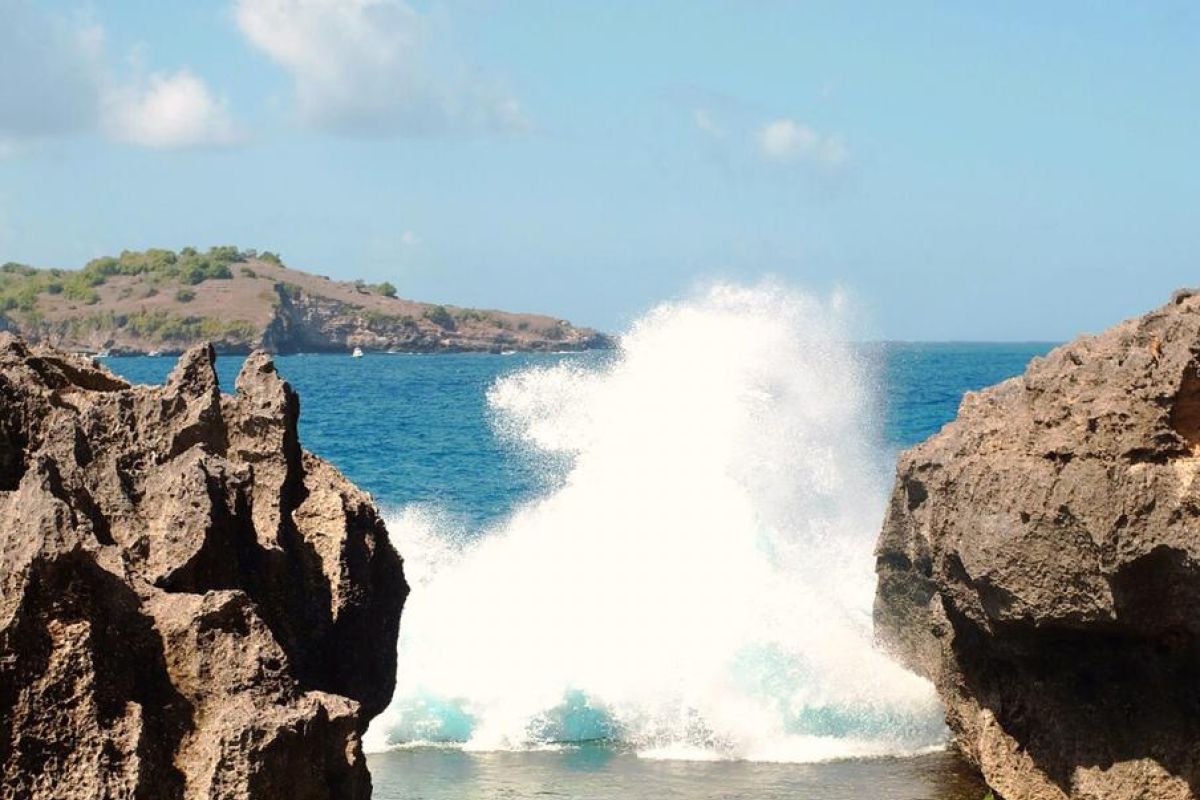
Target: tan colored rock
1040,561
191,606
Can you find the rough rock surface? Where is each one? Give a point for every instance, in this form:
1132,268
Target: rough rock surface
1040,561
310,322
191,605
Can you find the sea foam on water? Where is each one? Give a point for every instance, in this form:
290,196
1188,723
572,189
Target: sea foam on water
698,582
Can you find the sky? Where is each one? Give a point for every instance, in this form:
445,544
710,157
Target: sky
960,170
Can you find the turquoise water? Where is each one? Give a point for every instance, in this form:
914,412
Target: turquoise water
433,435
598,773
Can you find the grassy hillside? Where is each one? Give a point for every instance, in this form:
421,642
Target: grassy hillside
165,300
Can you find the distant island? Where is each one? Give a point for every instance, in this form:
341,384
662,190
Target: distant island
162,301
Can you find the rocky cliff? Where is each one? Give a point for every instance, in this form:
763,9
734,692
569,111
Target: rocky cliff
191,605
1040,561
160,300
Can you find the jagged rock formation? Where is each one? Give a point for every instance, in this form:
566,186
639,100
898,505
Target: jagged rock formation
191,605
1040,561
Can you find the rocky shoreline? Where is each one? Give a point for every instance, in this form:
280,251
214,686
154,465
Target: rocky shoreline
1040,562
191,604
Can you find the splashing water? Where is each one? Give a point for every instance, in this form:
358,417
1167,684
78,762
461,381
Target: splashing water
698,584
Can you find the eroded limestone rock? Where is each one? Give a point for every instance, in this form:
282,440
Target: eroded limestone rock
1040,561
191,606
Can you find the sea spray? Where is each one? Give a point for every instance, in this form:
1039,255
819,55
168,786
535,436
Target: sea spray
697,584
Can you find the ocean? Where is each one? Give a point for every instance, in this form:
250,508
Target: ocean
646,572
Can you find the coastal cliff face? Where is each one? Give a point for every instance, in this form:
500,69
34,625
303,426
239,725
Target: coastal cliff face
313,318
1040,561
191,605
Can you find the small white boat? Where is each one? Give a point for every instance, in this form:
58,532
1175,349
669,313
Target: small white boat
358,353
103,354
154,353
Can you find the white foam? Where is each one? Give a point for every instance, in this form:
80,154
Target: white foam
700,582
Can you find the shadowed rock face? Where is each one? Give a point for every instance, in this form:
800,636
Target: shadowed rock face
191,605
1040,561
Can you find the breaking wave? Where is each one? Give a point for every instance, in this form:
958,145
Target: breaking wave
697,583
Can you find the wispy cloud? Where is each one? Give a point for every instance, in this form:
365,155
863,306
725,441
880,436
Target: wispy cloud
54,81
786,140
705,121
367,67
740,129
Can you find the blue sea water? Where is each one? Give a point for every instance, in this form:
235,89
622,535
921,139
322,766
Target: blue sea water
422,432
417,428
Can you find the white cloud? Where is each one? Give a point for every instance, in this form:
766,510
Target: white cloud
409,239
168,111
788,140
54,82
368,67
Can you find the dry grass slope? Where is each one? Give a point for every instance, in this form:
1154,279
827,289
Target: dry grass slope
161,300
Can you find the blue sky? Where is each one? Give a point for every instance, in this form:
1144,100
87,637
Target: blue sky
984,170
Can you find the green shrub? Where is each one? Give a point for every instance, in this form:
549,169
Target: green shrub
247,272
477,316
386,289
378,321
185,295
78,287
188,266
225,253
164,326
17,297
21,284
440,316
290,289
